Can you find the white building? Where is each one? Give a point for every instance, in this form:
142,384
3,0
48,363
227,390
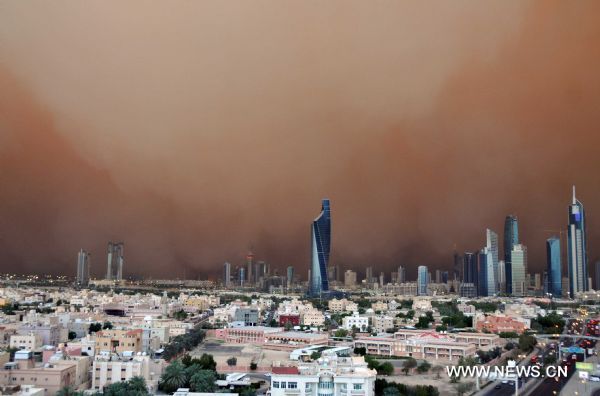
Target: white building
30,341
327,377
107,370
361,322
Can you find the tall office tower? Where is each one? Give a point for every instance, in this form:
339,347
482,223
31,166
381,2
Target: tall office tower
470,272
458,263
332,273
242,278
519,270
321,242
422,284
488,273
401,274
501,277
492,246
381,279
545,282
394,277
537,279
369,275
114,269
83,268
262,270
554,266
597,268
577,248
482,272
349,278
227,274
290,276
250,267
438,276
445,277
511,238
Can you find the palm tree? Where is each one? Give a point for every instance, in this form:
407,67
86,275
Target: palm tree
174,377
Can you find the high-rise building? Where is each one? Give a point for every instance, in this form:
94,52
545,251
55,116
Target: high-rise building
83,268
554,266
290,276
488,273
349,278
321,242
114,269
369,275
511,238
438,276
577,248
470,272
492,250
381,279
422,280
519,270
445,277
250,267
501,276
227,274
401,274
482,272
537,281
242,276
458,263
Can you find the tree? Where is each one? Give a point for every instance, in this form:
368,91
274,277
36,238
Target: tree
362,351
68,391
385,369
94,327
423,367
509,346
315,355
248,391
207,362
72,335
253,366
422,323
341,333
527,342
288,326
437,370
107,325
136,386
203,381
408,365
174,377
232,361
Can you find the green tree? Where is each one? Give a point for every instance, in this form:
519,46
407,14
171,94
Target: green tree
68,391
253,366
423,367
527,342
203,381
315,355
341,333
408,365
288,326
362,351
107,325
94,327
174,377
72,335
232,361
391,391
463,388
385,369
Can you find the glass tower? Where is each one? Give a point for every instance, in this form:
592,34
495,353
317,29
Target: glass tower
554,267
511,238
519,267
321,241
422,280
577,253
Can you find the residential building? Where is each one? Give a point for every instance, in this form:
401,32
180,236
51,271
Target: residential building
355,320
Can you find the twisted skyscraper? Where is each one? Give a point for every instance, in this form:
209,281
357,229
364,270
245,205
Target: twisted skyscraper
321,241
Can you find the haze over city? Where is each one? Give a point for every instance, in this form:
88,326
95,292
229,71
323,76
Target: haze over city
198,131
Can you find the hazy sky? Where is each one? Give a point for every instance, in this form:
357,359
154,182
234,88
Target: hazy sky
193,130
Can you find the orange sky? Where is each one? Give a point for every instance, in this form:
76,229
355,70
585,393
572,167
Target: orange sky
192,130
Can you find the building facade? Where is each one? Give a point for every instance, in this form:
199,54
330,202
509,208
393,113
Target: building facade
554,267
321,242
511,238
577,248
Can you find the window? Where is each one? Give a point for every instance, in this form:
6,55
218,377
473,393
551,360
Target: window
357,386
275,384
292,385
283,385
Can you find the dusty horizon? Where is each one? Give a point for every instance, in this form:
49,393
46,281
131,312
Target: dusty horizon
193,131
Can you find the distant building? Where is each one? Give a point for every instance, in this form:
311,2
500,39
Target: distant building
511,238
470,272
422,283
597,265
369,275
321,242
577,248
554,266
83,268
250,268
227,274
290,276
401,274
349,278
519,270
114,268
247,316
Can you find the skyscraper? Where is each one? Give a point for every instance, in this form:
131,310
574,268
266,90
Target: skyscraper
577,249
114,268
597,268
250,267
227,274
470,273
492,250
349,278
554,266
519,270
290,276
422,278
83,268
511,238
501,277
369,275
321,241
401,274
482,272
